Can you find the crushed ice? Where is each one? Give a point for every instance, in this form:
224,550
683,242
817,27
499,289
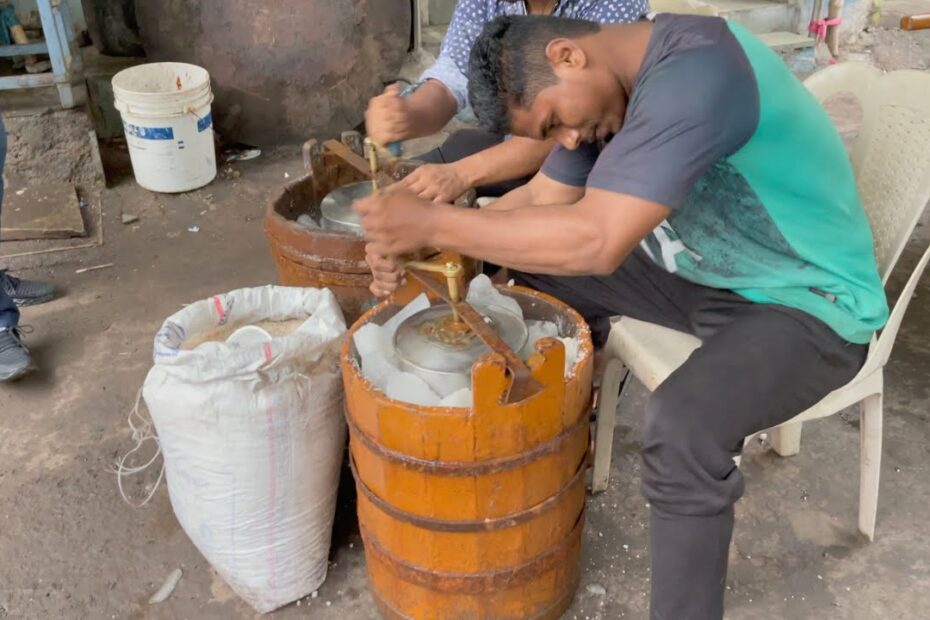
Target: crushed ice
379,363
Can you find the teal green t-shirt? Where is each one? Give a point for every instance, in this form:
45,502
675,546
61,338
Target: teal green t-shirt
761,191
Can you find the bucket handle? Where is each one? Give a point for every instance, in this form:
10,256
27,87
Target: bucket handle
190,110
123,106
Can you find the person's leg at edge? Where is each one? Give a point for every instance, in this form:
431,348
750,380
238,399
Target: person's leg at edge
14,291
762,368
9,314
15,360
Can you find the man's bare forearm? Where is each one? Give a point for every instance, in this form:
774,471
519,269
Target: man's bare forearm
515,198
431,106
543,239
538,191
512,159
592,236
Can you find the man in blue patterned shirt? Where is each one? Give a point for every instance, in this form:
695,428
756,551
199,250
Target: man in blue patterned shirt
474,157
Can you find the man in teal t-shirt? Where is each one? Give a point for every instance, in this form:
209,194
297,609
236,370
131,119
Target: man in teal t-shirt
697,185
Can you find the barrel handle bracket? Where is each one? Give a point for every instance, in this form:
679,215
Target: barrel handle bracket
312,153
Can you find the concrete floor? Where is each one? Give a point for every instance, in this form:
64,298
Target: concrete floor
72,549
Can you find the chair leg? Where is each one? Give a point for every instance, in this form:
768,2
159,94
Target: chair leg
739,457
615,375
870,462
786,439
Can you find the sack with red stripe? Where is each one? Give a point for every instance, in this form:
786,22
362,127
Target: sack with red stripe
251,427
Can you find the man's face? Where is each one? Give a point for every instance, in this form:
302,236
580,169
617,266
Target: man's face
586,104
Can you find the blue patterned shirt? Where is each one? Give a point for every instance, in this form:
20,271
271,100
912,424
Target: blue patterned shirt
470,16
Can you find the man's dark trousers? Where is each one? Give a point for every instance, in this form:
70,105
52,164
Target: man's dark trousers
759,365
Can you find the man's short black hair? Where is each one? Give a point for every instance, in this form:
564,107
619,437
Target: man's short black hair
508,64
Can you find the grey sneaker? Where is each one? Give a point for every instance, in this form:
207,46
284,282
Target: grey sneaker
26,292
15,360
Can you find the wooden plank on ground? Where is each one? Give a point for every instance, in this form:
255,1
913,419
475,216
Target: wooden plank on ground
49,211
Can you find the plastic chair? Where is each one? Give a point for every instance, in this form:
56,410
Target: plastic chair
891,161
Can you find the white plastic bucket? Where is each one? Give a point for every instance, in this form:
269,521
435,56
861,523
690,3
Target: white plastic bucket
169,127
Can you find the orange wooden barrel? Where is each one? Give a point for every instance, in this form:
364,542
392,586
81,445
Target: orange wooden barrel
316,258
475,513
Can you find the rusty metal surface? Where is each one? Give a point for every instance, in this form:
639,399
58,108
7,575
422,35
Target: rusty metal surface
287,69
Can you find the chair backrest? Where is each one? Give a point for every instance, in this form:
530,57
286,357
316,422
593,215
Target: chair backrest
891,161
891,157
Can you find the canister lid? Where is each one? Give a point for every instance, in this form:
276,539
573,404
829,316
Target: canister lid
431,340
336,207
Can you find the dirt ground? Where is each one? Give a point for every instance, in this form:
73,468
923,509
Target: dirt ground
71,548
58,140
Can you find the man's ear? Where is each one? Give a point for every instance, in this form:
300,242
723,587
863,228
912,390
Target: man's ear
565,54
